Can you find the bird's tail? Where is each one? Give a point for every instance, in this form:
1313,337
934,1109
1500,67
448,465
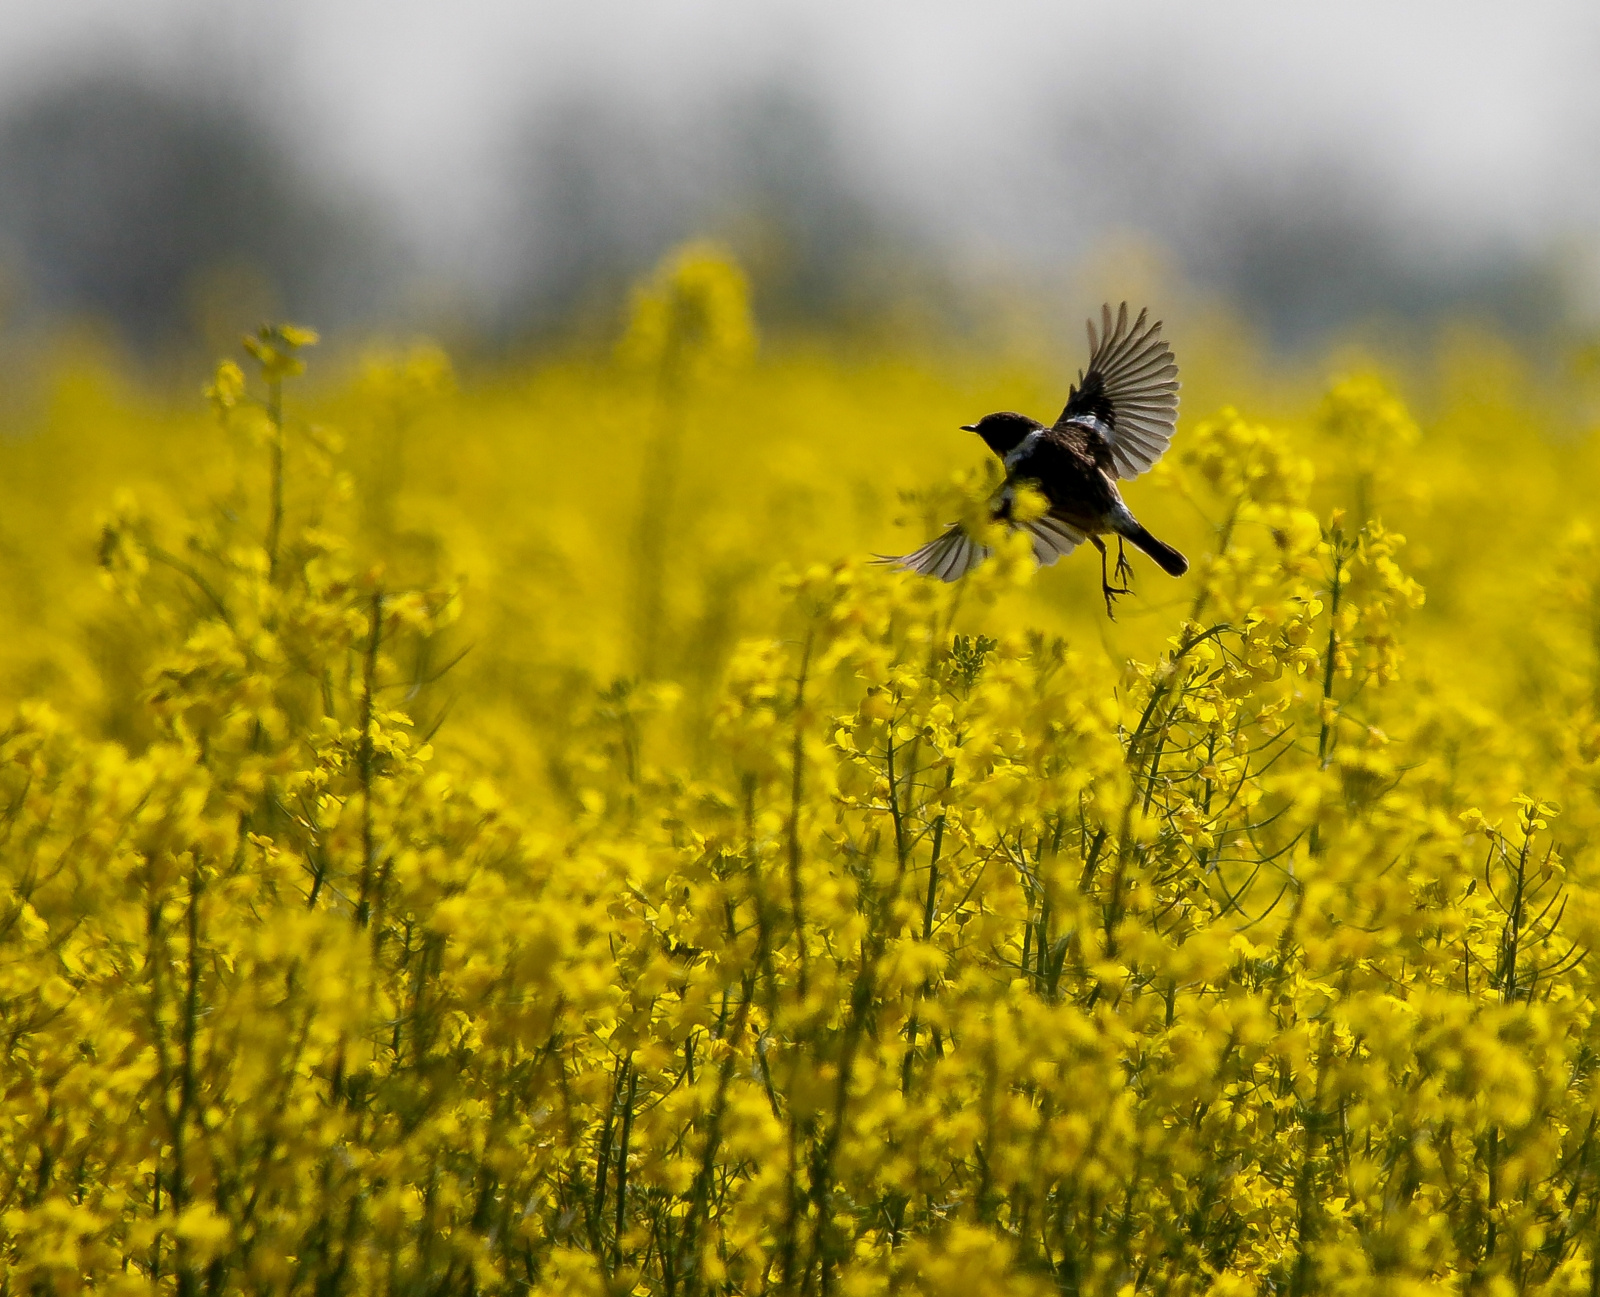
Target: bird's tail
1172,562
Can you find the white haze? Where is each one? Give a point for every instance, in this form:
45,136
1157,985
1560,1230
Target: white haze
1463,131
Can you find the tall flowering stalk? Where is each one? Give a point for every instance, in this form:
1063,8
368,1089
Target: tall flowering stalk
690,324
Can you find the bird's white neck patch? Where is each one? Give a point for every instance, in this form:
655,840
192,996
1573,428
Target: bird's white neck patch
1022,449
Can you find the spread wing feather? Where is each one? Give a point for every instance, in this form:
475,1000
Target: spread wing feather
950,554
953,553
1052,538
1129,393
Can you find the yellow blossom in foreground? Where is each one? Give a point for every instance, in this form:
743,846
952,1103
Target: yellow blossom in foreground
408,889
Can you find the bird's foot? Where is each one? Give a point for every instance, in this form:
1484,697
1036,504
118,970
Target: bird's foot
1123,572
1111,592
1124,568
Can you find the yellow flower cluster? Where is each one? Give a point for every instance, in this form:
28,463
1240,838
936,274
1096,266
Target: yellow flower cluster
440,856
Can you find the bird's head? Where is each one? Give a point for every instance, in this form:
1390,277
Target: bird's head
1003,432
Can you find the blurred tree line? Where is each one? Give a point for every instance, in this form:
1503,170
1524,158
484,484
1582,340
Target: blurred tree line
182,216
169,213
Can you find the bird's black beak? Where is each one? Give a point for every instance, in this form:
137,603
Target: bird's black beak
969,427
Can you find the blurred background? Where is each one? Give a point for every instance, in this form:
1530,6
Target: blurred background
495,172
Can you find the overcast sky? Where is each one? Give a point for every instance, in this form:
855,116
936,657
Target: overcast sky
1472,126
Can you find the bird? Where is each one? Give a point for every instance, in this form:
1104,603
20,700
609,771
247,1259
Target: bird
1117,423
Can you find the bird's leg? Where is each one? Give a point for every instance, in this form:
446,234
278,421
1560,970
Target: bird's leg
1124,568
1106,588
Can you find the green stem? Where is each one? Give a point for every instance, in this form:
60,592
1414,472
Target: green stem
366,757
796,798
622,1157
188,1279
1326,733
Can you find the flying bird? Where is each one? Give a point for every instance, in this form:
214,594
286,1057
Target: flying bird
1118,421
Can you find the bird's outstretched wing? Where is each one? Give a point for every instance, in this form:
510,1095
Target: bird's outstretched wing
950,554
1130,392
1052,538
953,553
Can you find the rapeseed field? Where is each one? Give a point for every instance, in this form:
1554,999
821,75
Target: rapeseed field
504,834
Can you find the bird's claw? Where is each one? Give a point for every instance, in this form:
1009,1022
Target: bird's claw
1124,569
1123,573
1111,592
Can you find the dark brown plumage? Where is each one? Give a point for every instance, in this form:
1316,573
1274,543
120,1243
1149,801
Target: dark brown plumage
1117,422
